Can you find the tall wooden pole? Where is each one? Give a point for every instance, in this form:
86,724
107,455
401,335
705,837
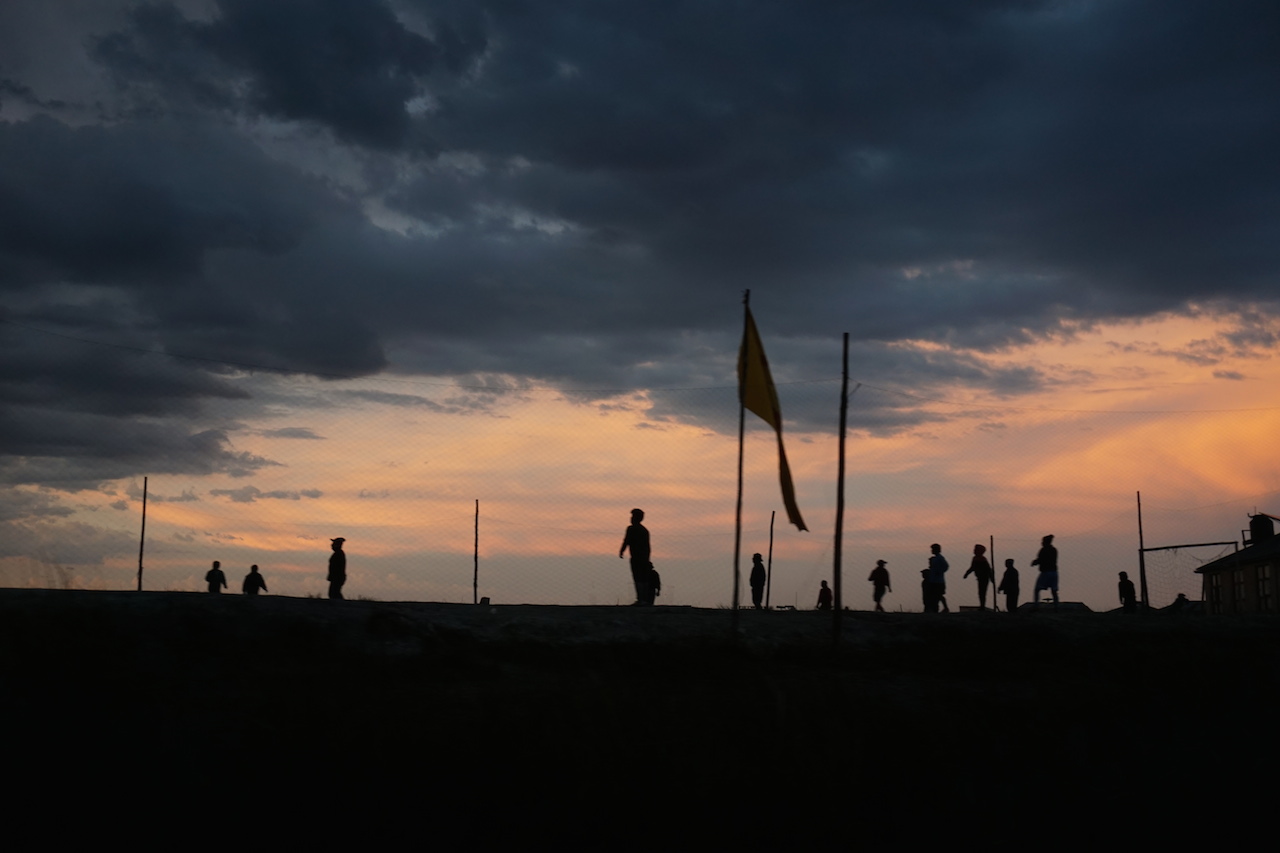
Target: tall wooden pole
737,516
475,560
1142,556
839,543
768,574
142,540
991,549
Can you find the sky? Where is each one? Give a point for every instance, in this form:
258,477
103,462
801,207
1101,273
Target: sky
319,268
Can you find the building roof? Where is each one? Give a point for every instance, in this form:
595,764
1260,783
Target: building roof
1267,549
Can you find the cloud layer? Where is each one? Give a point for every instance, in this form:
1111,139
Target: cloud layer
576,193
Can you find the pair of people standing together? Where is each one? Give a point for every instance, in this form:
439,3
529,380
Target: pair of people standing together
217,580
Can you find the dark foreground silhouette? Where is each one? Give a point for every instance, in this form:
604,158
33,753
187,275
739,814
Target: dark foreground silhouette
429,725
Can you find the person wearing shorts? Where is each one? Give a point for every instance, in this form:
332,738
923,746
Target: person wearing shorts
1047,560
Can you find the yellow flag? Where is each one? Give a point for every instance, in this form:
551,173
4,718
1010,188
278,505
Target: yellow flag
756,391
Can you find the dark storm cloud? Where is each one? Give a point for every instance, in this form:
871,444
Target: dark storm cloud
12,89
290,432
473,401
82,451
104,234
77,415
577,193
352,67
250,494
134,491
140,201
63,542
1250,334
23,503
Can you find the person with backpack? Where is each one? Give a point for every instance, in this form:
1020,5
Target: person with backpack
637,540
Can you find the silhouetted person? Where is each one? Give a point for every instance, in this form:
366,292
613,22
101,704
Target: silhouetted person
758,578
1047,560
1179,603
935,581
1128,595
824,597
215,578
637,540
253,582
1009,586
981,568
337,569
879,578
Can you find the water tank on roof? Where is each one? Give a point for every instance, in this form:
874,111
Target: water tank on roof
1261,527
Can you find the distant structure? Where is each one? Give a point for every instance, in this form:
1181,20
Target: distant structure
1245,582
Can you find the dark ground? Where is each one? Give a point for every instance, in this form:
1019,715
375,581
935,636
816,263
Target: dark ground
612,727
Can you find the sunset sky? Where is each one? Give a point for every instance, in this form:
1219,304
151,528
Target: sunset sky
334,268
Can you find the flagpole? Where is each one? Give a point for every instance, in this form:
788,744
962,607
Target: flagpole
1142,559
992,549
737,517
839,543
768,576
475,560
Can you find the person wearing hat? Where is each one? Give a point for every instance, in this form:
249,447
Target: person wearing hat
879,583
337,569
935,581
1009,586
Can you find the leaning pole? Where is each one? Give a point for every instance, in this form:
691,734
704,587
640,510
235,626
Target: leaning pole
142,539
839,543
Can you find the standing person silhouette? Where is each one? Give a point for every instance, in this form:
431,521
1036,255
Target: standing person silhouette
1009,586
253,582
1047,560
215,578
337,569
981,568
879,583
824,597
935,581
1128,595
637,540
758,578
